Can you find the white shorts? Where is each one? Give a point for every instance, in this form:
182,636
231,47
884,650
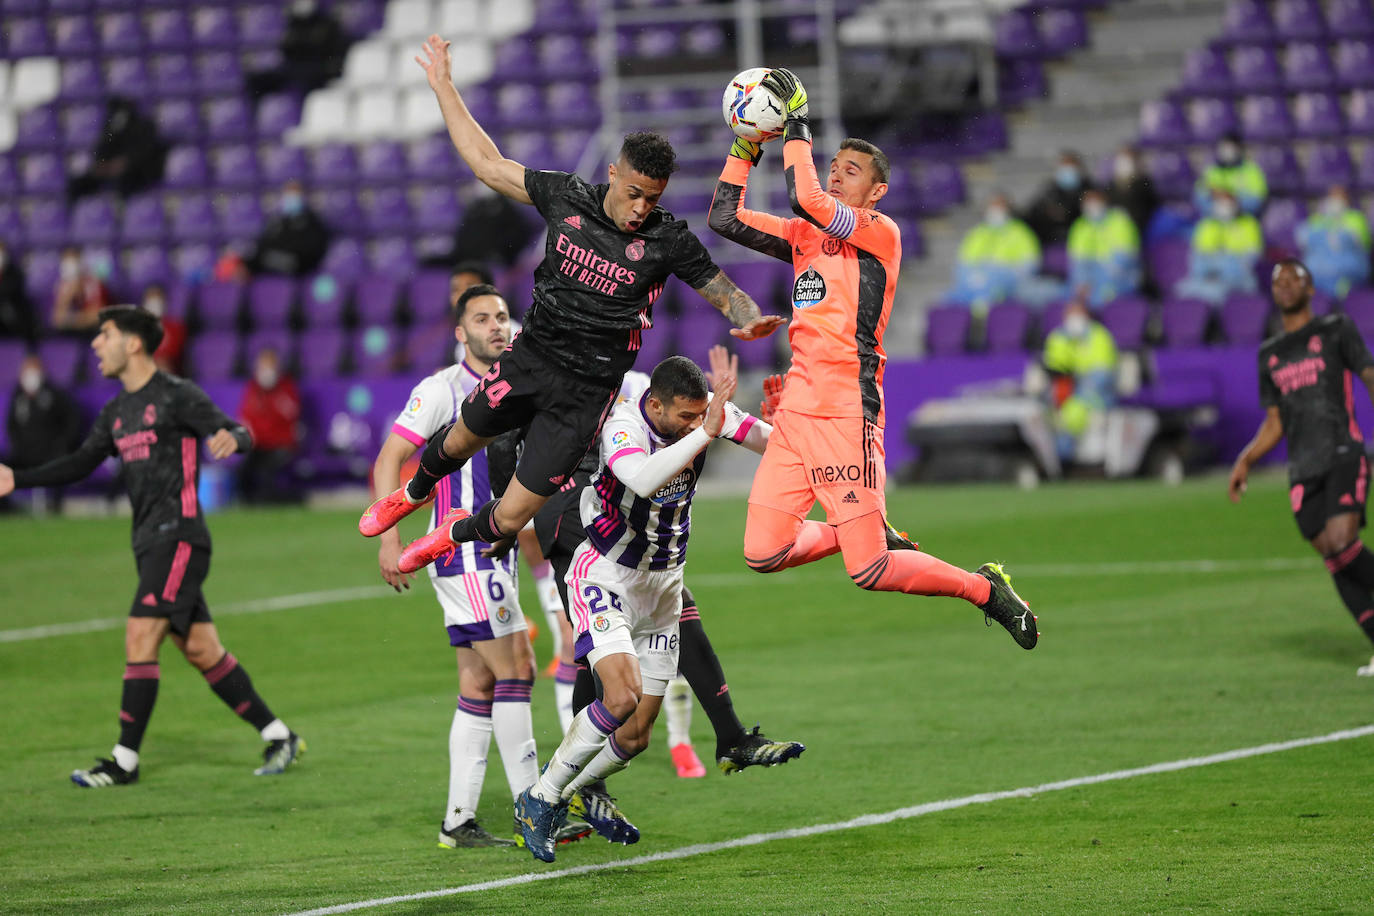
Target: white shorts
479,606
630,611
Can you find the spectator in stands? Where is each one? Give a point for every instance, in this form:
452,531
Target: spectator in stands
271,409
128,157
43,423
995,258
1104,251
492,229
294,240
312,50
170,352
17,317
1335,244
79,295
1226,246
1058,204
1233,172
1132,189
1080,356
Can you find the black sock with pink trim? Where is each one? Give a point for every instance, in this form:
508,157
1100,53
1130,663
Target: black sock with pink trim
478,527
584,688
141,681
1352,569
434,466
233,685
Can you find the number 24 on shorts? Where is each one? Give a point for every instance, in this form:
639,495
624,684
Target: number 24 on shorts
595,596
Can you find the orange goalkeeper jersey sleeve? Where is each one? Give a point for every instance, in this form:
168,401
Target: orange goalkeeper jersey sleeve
845,262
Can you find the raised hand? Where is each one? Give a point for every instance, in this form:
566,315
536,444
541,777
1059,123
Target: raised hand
721,362
772,395
759,328
436,62
222,444
784,84
747,150
715,411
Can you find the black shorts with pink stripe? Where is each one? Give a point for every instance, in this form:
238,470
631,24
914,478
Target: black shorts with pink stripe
170,576
1340,490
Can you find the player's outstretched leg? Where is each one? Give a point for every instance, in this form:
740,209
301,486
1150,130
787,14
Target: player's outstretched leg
1008,608
756,749
594,805
539,820
423,551
435,465
387,511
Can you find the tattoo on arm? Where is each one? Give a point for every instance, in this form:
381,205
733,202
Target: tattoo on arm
731,301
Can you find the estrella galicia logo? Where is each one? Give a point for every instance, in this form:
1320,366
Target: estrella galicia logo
808,290
675,488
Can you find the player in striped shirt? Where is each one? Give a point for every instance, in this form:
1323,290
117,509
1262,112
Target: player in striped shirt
625,583
828,445
479,594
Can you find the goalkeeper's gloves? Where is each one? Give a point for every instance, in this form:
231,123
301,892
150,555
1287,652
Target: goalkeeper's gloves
747,150
784,84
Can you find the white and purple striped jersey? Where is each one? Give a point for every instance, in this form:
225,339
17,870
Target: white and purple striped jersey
649,532
433,405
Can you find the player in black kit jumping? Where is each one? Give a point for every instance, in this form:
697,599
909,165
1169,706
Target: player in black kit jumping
610,249
155,426
1307,388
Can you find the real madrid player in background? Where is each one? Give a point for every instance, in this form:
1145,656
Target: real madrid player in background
477,592
625,583
1306,376
609,250
155,426
828,443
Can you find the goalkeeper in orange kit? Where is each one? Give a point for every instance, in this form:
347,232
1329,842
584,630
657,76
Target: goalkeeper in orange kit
827,444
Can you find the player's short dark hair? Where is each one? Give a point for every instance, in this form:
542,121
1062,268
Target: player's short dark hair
130,319
881,165
678,377
649,154
472,292
472,267
1296,264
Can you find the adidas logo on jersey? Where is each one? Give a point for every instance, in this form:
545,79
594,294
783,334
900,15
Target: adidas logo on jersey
574,221
850,497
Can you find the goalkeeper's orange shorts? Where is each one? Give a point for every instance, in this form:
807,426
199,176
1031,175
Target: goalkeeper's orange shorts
836,461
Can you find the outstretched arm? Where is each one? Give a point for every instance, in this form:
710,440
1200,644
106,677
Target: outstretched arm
740,308
1268,436
728,216
67,469
386,477
477,149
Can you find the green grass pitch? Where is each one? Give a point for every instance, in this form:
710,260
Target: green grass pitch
1174,625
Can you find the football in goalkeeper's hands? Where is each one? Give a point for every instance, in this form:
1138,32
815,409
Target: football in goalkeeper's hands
751,111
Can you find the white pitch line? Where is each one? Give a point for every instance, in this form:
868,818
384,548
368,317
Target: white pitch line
733,579
866,820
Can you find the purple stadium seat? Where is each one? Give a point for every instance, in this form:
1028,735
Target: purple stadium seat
64,359
193,262
1360,113
241,217
74,36
277,113
939,185
280,164
186,168
1015,35
178,120
218,72
344,259
341,211
947,329
519,105
1318,114
173,75
1327,164
1210,119
41,268
1247,22
1364,175
1350,18
261,26
387,211
194,219
323,300
93,221
392,255
564,56
213,356
655,42
1299,20
432,158
1172,173
376,299
1168,261
1244,317
426,351
9,175
321,353
279,339
1280,167
1354,62
1307,67
1206,72
214,27
427,297
1126,318
382,162
358,17
698,40
1007,327
436,209
27,37
1020,80
81,80
1163,123
333,165
11,225
168,30
131,74
38,129
1359,305
1062,31
1265,117
228,120
45,224
1184,321
121,33
218,304
236,168
82,125
146,264
270,302
376,351
572,104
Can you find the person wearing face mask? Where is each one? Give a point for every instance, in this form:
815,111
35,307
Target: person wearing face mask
312,52
1080,356
1226,245
271,410
168,355
1058,204
128,157
1132,189
1104,251
79,295
16,307
294,240
1235,173
994,258
43,423
1335,244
